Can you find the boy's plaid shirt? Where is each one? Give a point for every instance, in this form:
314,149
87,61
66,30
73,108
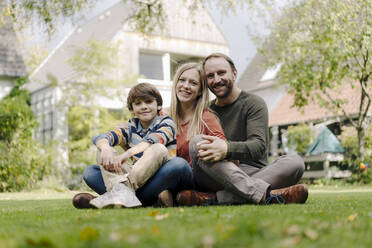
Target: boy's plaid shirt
162,130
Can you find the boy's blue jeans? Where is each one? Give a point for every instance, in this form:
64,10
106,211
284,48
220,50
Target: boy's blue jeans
175,175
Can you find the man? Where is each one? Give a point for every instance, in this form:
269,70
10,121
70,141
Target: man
244,118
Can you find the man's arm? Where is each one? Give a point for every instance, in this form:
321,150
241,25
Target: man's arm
256,128
254,147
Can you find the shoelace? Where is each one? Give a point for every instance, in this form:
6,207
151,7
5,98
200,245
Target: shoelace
276,198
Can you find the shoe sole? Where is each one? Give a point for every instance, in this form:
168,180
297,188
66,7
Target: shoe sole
165,199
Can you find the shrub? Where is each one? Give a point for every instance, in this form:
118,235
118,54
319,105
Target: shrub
22,163
349,141
300,138
83,124
22,160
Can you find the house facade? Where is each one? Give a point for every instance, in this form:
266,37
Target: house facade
11,62
154,57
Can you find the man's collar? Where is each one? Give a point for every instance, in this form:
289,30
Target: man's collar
222,103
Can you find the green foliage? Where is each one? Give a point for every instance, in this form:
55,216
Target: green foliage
84,123
323,46
300,137
15,115
147,16
22,162
349,141
47,13
97,75
34,56
361,177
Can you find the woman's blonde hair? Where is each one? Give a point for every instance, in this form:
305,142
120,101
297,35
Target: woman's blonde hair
201,102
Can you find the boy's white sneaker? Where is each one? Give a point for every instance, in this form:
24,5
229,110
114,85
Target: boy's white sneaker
119,196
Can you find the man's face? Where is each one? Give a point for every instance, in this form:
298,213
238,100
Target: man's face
220,76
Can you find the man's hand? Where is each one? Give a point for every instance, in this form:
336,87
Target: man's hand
212,149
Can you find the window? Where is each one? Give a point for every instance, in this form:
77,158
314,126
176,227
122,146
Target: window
162,66
271,73
151,66
43,110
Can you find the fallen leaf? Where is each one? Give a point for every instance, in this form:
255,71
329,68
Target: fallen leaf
311,234
351,217
208,241
292,230
291,241
89,233
132,239
155,230
161,217
323,225
153,213
42,242
114,236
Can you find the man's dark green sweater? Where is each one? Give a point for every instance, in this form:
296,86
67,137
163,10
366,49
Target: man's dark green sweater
245,123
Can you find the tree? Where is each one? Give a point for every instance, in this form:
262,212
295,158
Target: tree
96,67
323,45
147,15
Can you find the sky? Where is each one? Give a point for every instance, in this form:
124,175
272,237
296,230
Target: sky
233,26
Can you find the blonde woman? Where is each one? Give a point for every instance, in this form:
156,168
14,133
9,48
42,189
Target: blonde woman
189,108
190,111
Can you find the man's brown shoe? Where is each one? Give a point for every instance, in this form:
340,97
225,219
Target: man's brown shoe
82,200
196,198
293,194
165,199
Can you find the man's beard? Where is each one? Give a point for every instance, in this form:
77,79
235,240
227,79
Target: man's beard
227,92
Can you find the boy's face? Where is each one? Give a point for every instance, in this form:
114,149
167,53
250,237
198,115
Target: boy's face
145,110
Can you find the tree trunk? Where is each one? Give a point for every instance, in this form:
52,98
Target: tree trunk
361,135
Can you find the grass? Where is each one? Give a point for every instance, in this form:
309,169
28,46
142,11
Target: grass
332,217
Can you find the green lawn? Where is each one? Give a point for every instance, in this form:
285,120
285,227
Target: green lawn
332,217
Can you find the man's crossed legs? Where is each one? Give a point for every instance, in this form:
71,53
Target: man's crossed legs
244,183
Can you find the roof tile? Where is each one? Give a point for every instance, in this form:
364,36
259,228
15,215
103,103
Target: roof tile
286,114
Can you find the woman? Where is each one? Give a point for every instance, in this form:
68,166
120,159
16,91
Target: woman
189,110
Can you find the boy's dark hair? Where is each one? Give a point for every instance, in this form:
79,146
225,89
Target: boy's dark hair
144,92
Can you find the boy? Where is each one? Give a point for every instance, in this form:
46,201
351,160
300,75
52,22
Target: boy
151,140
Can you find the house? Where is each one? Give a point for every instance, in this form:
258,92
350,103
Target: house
156,57
11,62
263,82
284,114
